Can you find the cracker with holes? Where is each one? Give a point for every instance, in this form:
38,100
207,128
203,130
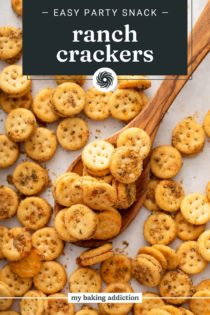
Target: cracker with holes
20,124
67,190
95,256
13,82
181,289
160,228
152,251
166,162
195,208
169,195
72,133
47,242
51,278
152,270
137,139
30,178
200,303
170,255
8,202
97,105
150,202
17,6
208,191
3,231
85,280
117,308
96,156
19,286
109,224
79,79
34,212
149,302
61,228
68,99
206,124
42,106
33,303
28,266
190,260
125,104
81,221
116,269
187,231
9,103
58,304
125,194
134,82
17,243
5,292
126,165
188,137
42,145
98,195
204,245
10,42
203,285
9,152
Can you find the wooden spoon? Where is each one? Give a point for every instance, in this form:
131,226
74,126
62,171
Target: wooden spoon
149,119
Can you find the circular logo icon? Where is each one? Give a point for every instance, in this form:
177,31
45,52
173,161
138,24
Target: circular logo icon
105,80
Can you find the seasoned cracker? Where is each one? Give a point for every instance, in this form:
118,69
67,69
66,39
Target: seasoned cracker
61,229
170,255
152,270
58,304
72,133
125,104
8,202
203,285
175,287
42,145
6,292
87,312
109,224
105,178
9,313
190,260
172,310
81,221
17,6
160,228
185,311
116,269
10,42
9,152
187,231
200,303
98,174
29,266
9,103
3,231
19,286
79,79
149,302
95,256
158,311
47,242
68,99
13,82
169,195
97,105
188,137
134,82
85,280
96,155
34,212
51,278
152,251
125,194
30,178
137,139
150,202
20,124
208,191
42,106
206,124
204,245
126,165
195,208
166,162
33,303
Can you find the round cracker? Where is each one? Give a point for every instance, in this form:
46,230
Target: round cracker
160,228
61,229
206,124
58,304
152,251
17,6
3,231
5,292
172,310
33,303
149,302
134,82
97,105
42,145
188,137
85,280
10,42
150,202
125,194
200,303
47,242
34,212
187,231
158,311
195,208
9,202
9,103
95,256
72,133
208,191
185,311
79,79
204,245
9,152
170,255
203,285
